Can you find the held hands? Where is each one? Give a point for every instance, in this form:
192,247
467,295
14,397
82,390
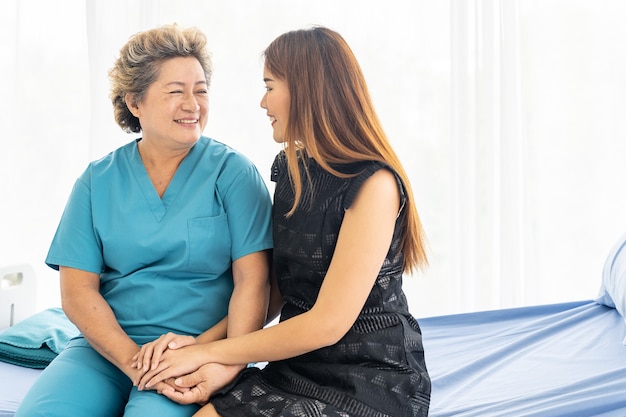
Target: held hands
135,375
199,386
174,365
150,354
174,362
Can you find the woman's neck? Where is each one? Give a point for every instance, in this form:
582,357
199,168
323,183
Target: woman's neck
161,164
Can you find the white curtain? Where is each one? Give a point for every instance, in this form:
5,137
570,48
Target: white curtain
489,159
507,114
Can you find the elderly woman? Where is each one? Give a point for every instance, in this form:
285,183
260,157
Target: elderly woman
169,233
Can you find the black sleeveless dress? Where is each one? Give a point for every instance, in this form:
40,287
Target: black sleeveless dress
377,369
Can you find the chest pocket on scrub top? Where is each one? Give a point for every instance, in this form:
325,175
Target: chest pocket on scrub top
209,244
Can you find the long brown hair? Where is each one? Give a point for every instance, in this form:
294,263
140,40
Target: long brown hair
332,118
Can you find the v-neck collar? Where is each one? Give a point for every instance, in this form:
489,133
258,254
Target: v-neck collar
160,205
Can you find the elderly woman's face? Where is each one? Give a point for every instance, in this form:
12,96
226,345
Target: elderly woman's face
175,107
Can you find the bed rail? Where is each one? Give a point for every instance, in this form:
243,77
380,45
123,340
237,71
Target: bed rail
18,293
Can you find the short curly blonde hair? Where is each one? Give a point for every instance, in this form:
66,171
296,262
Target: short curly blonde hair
140,60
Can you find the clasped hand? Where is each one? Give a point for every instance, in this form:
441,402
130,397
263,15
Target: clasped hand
174,366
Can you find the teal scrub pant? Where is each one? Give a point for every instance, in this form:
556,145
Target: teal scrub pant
81,383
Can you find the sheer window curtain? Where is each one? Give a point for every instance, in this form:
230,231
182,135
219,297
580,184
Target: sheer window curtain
491,229
44,82
508,115
537,144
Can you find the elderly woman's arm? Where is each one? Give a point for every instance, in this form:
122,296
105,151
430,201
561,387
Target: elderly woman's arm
247,312
88,310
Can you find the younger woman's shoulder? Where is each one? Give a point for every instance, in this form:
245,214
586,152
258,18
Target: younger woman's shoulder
365,171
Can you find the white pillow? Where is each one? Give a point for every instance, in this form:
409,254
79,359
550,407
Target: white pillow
613,287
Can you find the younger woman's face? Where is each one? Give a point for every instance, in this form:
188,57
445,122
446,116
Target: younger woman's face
276,102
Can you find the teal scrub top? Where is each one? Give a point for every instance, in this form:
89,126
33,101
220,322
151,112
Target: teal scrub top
165,263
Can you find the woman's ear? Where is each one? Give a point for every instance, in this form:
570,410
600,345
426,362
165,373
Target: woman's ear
131,103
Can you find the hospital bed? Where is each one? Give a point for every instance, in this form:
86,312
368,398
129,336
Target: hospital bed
552,360
566,359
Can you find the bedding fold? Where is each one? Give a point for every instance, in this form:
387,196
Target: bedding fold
35,341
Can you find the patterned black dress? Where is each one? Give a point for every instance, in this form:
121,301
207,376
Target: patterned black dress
377,369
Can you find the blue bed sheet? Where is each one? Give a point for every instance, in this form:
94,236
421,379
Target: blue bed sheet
551,360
